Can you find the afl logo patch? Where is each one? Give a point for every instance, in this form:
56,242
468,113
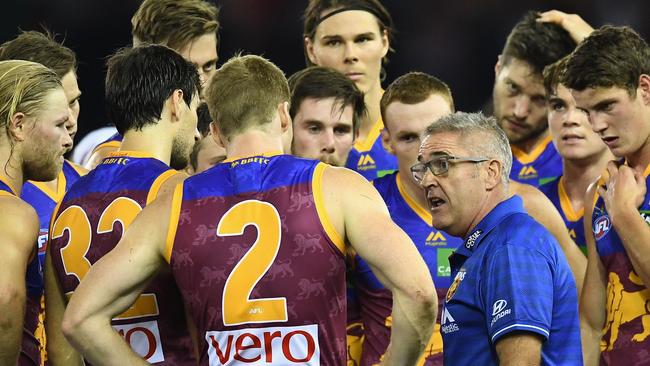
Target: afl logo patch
601,227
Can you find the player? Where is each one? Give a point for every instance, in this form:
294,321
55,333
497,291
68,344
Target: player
609,77
206,152
354,37
158,130
584,155
187,26
266,282
34,115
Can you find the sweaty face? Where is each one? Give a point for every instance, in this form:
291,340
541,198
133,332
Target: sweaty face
72,93
520,102
202,53
454,197
405,125
185,137
619,119
350,42
570,129
47,138
322,131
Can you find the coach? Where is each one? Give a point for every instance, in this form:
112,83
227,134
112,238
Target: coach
513,299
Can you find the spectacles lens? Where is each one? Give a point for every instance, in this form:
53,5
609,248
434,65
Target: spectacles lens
439,166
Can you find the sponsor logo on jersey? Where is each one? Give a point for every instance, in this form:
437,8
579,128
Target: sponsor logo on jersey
42,241
444,269
572,234
447,322
499,310
460,276
257,159
366,162
436,239
144,339
645,215
527,172
602,225
297,345
469,243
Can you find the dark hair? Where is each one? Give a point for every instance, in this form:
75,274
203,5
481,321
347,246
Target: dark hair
538,44
413,88
42,48
245,93
610,56
204,119
553,74
313,15
174,23
320,83
140,79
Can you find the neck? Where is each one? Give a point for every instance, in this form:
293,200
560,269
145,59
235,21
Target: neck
577,175
496,196
252,142
413,190
11,167
640,159
372,99
529,145
151,140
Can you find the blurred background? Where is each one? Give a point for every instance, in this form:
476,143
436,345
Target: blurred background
457,41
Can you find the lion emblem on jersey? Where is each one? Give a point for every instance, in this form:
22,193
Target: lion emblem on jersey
310,288
304,243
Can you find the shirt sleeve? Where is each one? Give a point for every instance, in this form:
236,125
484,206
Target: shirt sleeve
517,292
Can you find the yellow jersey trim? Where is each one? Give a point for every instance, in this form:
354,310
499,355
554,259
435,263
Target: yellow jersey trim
6,194
81,171
132,154
565,203
525,158
114,144
375,131
319,202
174,216
646,172
266,154
13,190
157,184
419,210
57,196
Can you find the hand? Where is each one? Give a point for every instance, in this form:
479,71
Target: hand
578,29
623,190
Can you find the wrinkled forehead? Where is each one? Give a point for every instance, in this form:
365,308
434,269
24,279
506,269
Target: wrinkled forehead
443,143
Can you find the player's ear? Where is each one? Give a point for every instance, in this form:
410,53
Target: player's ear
498,66
644,88
175,103
285,117
309,50
217,136
385,140
493,169
17,126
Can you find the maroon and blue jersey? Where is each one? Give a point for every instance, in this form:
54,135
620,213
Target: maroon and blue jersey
31,344
555,192
369,158
259,264
510,275
376,301
89,222
537,167
626,334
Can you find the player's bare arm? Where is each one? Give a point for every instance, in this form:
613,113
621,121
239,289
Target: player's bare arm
358,211
105,292
623,192
18,243
98,156
519,349
542,210
577,28
59,351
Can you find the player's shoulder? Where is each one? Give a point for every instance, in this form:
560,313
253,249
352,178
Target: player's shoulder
19,215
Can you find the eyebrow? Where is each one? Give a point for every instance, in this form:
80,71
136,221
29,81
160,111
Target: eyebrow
338,36
603,103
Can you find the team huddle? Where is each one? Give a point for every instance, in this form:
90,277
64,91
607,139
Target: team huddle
238,216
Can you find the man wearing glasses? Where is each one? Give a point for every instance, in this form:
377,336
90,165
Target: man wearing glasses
513,299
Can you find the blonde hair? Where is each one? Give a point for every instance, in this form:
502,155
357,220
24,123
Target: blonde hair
23,88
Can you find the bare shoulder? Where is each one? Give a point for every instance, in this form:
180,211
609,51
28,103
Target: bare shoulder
19,224
339,180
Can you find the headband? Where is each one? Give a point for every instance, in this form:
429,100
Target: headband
348,8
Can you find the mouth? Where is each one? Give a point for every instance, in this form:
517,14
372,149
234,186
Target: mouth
572,138
354,76
610,140
435,202
516,125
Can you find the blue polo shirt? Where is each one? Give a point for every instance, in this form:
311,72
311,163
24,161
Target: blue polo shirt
510,276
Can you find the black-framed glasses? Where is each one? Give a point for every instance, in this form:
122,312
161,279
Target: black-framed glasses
440,165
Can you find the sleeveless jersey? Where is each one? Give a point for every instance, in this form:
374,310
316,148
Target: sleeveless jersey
376,301
555,192
113,141
89,222
369,157
540,166
30,350
626,334
259,264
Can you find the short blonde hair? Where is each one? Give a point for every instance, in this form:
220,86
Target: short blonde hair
173,23
23,88
245,92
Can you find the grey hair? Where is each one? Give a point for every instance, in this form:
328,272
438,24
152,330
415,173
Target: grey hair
491,143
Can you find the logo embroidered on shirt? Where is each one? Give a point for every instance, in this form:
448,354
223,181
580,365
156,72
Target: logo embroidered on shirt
469,243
